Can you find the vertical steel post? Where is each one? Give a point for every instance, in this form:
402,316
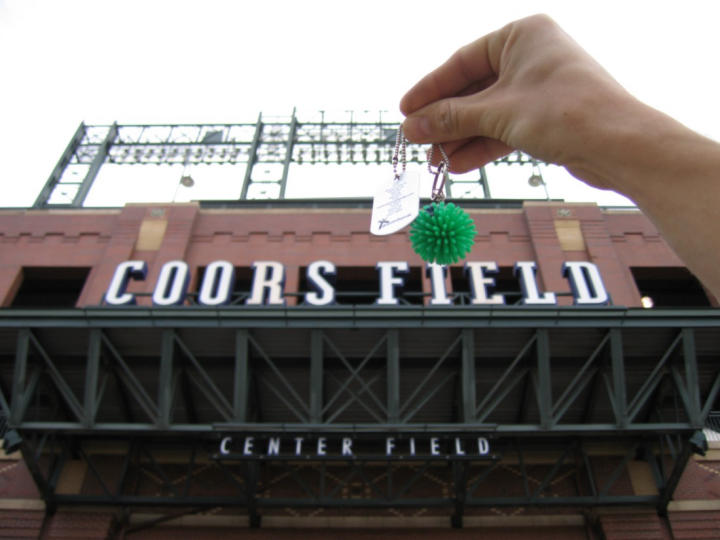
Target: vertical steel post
165,379
19,375
57,172
544,391
242,376
252,158
102,152
393,376
691,378
316,376
459,471
468,383
288,154
618,374
668,487
91,377
484,183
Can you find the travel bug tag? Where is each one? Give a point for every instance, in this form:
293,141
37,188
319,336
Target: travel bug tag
397,200
396,203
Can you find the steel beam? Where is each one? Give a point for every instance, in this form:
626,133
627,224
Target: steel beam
98,160
668,488
692,384
393,377
618,394
648,387
468,376
165,377
429,379
581,379
92,370
544,384
316,376
355,397
252,158
130,383
61,385
300,403
504,384
288,154
205,384
241,379
19,398
354,374
460,473
46,192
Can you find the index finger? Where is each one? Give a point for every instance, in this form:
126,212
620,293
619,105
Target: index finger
469,65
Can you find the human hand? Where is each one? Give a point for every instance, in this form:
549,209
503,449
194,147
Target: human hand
527,86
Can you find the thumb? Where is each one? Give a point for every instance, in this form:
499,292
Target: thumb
446,120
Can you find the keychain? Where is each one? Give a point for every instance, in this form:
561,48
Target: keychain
443,232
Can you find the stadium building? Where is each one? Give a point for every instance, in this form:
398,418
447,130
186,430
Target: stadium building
265,366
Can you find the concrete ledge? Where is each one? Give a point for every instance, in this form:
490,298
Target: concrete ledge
22,504
694,505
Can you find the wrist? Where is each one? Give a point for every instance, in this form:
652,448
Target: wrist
636,150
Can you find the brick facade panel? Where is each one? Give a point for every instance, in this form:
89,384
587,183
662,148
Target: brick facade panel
634,527
691,525
77,525
20,524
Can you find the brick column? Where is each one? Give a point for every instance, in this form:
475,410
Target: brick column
119,249
175,242
601,251
549,254
77,524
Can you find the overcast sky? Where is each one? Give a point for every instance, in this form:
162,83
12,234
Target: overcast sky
221,61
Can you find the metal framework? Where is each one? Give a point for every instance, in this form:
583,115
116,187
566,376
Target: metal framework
278,141
142,397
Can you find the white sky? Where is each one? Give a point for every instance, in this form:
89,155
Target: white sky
220,61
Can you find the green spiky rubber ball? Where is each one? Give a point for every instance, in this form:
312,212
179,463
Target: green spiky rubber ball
442,233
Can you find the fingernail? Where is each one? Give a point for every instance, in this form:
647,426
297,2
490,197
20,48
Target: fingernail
417,128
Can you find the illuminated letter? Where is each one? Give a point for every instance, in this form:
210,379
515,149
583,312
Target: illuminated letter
412,446
347,446
321,446
525,271
458,448
273,446
298,445
389,445
269,276
434,446
125,271
248,448
479,282
323,292
217,284
437,274
483,446
172,284
388,281
586,283
224,445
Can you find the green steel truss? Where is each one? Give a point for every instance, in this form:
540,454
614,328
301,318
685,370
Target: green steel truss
558,382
